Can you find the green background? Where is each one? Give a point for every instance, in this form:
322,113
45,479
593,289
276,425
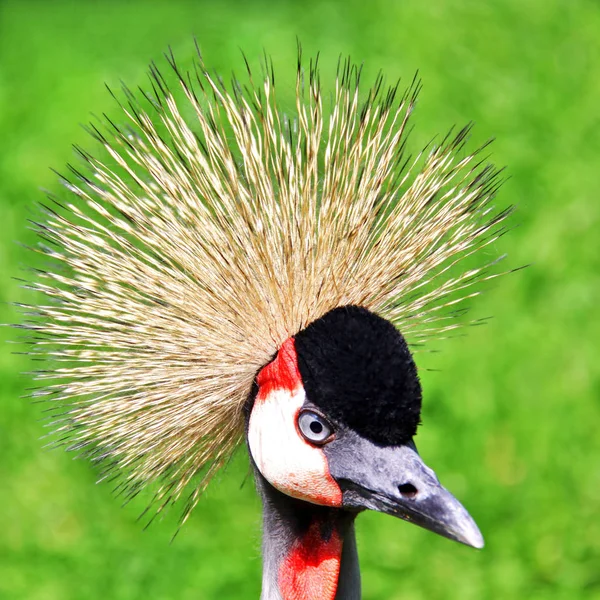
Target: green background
511,417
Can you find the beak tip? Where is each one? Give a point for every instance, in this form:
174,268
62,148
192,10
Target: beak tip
478,543
472,536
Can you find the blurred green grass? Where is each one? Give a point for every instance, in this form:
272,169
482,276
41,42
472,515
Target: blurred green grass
511,415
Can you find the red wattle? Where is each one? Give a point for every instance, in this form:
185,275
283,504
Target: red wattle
311,569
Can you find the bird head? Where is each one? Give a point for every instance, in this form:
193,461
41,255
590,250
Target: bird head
333,419
200,251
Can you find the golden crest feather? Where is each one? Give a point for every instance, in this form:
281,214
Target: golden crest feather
216,228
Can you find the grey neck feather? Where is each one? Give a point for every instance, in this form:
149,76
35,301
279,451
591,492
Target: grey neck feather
285,520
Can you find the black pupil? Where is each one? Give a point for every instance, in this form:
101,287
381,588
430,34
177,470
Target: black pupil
316,427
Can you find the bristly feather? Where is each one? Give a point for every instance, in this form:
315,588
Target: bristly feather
214,230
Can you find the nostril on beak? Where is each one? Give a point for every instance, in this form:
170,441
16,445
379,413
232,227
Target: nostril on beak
408,490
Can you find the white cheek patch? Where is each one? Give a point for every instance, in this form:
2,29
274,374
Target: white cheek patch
285,459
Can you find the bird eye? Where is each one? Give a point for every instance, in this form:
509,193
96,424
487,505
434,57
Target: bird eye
314,427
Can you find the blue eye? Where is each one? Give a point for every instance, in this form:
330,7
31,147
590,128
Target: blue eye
315,428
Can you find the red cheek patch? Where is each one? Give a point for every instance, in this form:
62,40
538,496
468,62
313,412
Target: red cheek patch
282,373
311,569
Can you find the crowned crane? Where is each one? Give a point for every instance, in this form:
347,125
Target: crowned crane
224,271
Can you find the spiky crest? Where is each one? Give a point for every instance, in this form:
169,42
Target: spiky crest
215,229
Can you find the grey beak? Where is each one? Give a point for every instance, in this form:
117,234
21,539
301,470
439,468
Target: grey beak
395,480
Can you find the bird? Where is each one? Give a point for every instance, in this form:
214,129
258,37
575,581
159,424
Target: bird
220,273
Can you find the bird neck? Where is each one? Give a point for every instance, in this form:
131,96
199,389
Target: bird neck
309,551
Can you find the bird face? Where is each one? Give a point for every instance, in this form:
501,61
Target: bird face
333,422
284,436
